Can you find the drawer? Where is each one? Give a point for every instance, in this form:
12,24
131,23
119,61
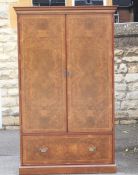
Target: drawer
82,149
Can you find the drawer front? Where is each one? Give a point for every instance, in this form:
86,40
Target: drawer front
82,149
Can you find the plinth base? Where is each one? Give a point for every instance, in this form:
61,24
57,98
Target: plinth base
67,169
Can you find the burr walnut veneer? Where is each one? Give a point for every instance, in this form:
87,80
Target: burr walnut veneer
66,89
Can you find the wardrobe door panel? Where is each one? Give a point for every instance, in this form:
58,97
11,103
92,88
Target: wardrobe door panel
89,72
43,85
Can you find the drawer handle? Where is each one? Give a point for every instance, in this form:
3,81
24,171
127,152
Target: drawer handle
92,149
43,150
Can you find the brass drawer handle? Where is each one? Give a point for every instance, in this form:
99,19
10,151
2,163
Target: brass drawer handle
92,149
43,150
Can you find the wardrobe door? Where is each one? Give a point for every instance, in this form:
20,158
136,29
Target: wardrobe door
89,50
42,66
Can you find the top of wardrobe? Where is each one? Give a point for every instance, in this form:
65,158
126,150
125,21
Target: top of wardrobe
65,10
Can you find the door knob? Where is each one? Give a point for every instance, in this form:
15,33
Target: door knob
66,73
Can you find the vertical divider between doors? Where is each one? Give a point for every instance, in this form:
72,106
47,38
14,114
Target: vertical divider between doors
66,69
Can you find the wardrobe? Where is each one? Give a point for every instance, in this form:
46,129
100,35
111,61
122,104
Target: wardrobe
66,84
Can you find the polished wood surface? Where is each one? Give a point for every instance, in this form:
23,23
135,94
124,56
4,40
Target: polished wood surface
43,150
43,73
66,89
68,169
65,10
90,68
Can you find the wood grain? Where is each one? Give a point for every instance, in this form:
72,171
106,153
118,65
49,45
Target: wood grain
66,81
43,77
69,169
90,72
80,149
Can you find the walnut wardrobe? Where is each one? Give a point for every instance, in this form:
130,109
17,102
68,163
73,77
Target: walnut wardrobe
66,81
